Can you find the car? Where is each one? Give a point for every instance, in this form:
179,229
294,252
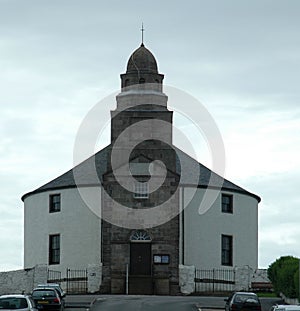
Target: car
242,301
17,302
47,299
285,308
62,294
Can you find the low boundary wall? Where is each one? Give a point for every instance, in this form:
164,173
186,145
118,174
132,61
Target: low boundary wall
22,281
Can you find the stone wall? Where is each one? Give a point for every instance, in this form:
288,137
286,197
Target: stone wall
94,278
290,301
242,280
187,279
22,280
243,276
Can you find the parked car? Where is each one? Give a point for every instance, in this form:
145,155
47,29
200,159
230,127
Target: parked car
242,301
60,291
285,308
47,299
17,302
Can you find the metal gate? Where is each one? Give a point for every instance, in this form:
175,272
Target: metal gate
214,280
54,276
77,281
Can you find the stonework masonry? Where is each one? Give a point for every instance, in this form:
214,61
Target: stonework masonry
23,281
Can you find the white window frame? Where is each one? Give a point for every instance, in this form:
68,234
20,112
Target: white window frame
141,190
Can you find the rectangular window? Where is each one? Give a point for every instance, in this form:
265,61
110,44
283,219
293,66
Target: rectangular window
227,250
161,259
54,203
141,190
54,249
227,203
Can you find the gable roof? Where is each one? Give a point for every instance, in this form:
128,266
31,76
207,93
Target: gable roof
88,178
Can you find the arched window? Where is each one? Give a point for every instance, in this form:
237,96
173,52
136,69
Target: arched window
140,235
141,81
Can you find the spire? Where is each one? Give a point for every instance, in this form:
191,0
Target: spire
142,31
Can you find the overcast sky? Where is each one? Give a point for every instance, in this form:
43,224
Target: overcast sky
240,59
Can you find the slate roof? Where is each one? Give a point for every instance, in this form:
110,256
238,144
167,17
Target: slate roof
88,178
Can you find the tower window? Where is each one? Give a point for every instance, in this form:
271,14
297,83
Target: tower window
141,190
54,249
227,203
141,81
54,203
227,250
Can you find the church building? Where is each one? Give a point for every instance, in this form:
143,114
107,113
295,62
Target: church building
138,220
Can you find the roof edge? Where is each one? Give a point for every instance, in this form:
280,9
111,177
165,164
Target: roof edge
28,194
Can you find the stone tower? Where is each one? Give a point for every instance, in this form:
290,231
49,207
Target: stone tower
141,129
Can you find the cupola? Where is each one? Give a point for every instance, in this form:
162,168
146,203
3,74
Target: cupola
141,68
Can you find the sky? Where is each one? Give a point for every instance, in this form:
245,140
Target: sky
240,59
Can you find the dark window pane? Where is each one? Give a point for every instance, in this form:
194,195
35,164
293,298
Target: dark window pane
227,250
54,203
227,203
54,249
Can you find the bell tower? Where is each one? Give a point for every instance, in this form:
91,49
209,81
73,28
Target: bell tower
143,124
141,96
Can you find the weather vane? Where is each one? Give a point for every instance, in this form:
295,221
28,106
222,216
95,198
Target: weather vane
142,30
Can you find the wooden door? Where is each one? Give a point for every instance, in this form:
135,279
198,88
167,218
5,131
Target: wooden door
140,258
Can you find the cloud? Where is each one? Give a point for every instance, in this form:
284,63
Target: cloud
241,60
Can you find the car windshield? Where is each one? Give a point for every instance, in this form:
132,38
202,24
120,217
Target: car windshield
55,286
13,303
43,293
245,297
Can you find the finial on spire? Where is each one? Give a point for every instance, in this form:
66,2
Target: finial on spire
142,30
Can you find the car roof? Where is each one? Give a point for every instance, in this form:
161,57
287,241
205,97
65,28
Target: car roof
45,288
288,306
14,296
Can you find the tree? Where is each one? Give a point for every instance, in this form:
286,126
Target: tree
284,275
296,281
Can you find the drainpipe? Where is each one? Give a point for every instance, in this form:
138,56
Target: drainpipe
127,279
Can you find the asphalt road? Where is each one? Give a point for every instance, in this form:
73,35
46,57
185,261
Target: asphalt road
153,303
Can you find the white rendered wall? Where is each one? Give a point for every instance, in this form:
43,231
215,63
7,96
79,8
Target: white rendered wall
79,229
202,233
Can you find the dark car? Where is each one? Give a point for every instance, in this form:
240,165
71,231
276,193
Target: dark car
242,301
62,294
47,299
57,287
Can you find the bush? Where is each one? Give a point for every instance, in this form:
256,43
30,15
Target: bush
284,275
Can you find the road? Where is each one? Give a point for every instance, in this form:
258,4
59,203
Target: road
153,303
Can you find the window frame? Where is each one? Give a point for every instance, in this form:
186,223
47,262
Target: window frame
227,207
161,259
227,250
141,190
54,206
54,249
